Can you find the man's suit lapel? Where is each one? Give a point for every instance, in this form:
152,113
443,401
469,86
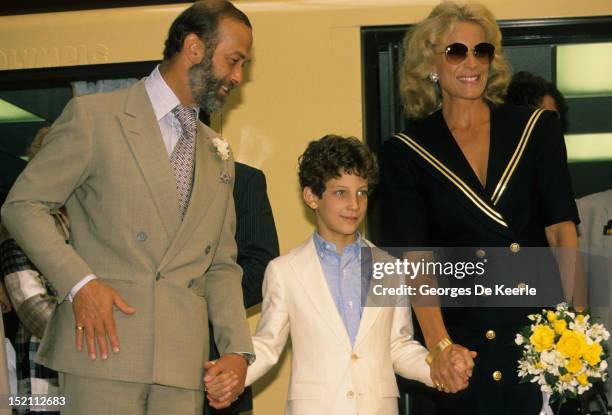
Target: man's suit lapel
143,135
142,132
209,169
310,276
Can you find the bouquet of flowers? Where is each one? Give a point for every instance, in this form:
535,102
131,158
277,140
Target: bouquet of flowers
563,352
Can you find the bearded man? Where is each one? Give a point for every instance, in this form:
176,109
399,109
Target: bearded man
148,189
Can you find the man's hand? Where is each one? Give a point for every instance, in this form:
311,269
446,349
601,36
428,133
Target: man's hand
224,380
93,313
452,368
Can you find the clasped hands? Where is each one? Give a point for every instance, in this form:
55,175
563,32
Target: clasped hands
452,368
224,379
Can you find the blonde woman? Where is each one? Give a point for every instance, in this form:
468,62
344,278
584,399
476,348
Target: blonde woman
472,172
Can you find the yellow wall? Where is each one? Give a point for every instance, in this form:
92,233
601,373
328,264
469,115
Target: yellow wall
304,81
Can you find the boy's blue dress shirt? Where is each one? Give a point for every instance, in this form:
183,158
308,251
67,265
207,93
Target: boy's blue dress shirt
343,276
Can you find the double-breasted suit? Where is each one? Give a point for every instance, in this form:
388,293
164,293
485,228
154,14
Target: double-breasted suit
328,374
105,160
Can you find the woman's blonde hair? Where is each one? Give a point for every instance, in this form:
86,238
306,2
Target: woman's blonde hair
419,94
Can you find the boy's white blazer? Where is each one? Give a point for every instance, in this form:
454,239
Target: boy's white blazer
328,375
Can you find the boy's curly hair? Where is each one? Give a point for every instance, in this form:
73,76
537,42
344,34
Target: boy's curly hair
330,157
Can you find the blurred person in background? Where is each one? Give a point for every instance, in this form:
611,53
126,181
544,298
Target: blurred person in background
595,235
534,92
34,300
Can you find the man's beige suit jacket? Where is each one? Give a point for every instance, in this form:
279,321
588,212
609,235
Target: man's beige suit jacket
104,159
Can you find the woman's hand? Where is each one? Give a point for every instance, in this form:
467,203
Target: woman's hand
452,368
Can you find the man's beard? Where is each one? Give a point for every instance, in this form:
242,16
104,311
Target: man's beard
205,86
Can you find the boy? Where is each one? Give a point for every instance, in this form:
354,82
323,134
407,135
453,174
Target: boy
344,354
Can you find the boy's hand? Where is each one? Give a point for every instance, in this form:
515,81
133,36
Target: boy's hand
224,380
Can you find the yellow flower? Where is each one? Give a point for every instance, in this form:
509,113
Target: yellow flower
550,315
582,378
539,365
560,326
542,338
574,365
567,378
580,318
592,354
571,343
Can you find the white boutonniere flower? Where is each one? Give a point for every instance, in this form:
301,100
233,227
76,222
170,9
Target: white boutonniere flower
221,148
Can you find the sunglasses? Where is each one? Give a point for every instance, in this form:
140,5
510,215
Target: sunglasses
457,53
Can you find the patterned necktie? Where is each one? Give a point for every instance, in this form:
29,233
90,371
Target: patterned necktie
182,157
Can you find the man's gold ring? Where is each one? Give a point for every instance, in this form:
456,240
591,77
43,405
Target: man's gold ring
80,328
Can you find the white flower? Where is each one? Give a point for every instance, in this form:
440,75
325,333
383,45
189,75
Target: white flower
221,147
549,357
582,389
519,339
598,333
562,307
